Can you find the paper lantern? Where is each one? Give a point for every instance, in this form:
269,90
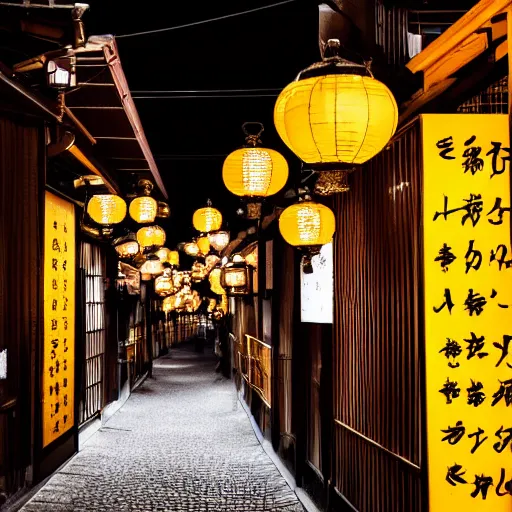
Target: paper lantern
164,285
163,210
169,303
191,249
143,209
151,236
152,267
207,219
307,223
174,258
203,245
127,246
335,114
106,209
163,254
219,240
215,281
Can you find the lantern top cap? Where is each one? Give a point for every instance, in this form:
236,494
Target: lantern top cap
333,64
252,139
145,186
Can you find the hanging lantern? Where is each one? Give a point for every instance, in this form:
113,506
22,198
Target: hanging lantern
143,209
215,281
203,244
191,249
207,219
254,171
219,240
151,236
236,277
335,115
198,272
151,267
164,285
169,303
127,246
106,209
174,258
210,261
307,225
163,210
163,254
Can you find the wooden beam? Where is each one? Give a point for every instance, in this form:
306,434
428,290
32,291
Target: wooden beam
451,62
423,98
474,19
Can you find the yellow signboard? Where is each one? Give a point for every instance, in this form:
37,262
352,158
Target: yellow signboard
59,318
468,311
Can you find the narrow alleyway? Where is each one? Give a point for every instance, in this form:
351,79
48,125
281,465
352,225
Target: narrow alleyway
181,443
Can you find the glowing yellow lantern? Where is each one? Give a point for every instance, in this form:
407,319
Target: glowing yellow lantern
127,246
151,267
106,209
151,236
219,240
191,249
207,219
203,245
163,254
254,171
236,277
174,258
215,278
169,303
307,223
143,209
164,285
335,115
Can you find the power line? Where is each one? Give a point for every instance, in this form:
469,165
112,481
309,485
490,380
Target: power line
209,96
208,91
195,23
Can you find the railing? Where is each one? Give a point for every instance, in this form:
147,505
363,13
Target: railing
255,363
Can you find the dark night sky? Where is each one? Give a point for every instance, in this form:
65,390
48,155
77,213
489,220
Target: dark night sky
265,49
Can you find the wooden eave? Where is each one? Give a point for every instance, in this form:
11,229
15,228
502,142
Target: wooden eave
481,34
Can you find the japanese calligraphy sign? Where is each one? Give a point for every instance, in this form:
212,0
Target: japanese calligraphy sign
59,318
468,311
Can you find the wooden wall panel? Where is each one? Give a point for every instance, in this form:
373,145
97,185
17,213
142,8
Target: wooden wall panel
377,333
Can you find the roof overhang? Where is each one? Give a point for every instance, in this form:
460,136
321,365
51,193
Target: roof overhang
103,109
480,36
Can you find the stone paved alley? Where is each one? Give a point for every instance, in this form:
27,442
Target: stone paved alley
182,442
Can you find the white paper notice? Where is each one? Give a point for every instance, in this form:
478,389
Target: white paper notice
316,295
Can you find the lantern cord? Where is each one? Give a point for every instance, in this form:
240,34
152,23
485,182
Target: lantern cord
202,22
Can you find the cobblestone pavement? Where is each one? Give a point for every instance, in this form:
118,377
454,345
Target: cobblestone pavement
182,442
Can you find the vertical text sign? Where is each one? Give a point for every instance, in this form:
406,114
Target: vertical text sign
59,318
468,311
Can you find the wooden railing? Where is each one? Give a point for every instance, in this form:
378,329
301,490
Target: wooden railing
255,363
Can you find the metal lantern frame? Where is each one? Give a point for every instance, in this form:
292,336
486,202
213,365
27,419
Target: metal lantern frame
237,267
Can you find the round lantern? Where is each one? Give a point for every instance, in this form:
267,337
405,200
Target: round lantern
215,278
163,254
164,285
203,245
169,303
143,209
335,115
219,240
191,249
254,171
151,236
207,219
151,267
127,246
307,225
174,258
106,209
